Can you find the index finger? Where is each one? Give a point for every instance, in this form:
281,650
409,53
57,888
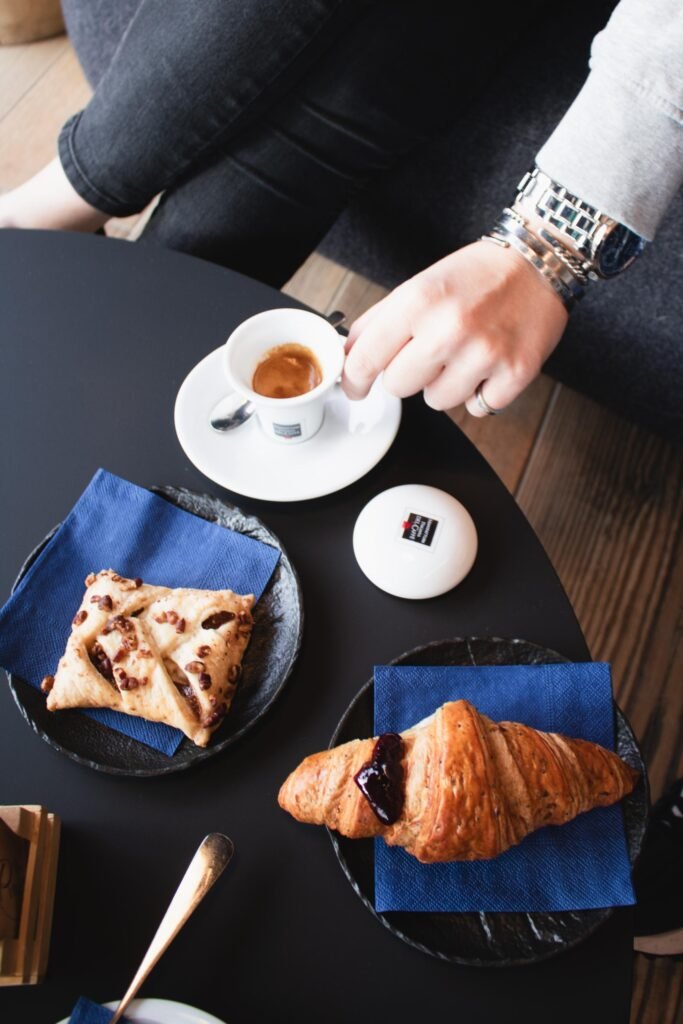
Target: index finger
372,350
362,322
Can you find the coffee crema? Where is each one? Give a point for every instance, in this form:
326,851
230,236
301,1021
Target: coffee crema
287,371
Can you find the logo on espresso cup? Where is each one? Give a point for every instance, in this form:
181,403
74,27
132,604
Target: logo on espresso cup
287,429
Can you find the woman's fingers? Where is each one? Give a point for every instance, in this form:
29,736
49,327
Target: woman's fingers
359,325
497,392
459,378
413,368
410,335
479,316
373,349
443,365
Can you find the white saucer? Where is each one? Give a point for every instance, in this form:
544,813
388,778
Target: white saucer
162,1011
353,438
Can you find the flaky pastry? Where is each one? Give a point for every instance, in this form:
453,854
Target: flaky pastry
171,656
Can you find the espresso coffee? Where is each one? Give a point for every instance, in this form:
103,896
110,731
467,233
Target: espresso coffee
287,371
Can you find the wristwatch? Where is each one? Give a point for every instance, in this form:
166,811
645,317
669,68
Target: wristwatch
605,246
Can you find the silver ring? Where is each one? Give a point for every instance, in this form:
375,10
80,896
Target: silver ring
483,404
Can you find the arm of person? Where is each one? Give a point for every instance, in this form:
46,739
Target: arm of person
483,316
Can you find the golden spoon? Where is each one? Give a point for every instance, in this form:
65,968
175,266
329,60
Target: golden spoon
210,860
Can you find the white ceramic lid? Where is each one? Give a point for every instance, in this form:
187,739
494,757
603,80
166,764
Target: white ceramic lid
415,541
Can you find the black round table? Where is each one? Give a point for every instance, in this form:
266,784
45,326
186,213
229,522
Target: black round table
96,336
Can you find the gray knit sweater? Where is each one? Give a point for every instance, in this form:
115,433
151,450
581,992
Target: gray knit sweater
620,144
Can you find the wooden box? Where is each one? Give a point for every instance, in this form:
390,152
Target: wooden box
29,844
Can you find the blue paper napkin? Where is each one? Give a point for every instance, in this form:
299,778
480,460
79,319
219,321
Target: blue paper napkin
87,1012
116,525
578,866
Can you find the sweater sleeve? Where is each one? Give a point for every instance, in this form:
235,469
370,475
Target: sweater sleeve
620,144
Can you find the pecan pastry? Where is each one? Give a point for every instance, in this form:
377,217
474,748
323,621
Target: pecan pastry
171,656
457,786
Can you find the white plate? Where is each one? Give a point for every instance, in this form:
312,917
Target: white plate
352,439
162,1011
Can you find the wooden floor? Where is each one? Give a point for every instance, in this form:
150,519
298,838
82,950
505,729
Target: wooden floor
605,497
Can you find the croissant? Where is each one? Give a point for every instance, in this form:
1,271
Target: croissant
456,786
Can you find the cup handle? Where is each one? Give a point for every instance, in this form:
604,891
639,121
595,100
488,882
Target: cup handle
336,318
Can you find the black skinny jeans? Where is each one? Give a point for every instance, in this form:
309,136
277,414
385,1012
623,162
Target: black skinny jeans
258,120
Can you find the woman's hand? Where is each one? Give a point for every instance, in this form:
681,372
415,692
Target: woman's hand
482,315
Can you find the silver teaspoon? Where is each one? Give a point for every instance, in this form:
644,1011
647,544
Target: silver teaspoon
210,860
233,410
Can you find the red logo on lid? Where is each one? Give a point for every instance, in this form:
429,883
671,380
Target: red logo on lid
419,528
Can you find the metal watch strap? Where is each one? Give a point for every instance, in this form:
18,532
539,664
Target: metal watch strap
584,225
576,220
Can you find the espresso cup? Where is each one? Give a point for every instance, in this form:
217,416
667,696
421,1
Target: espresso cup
286,420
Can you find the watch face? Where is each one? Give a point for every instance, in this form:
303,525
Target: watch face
619,249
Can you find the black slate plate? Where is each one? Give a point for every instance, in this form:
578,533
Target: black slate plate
483,939
269,659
